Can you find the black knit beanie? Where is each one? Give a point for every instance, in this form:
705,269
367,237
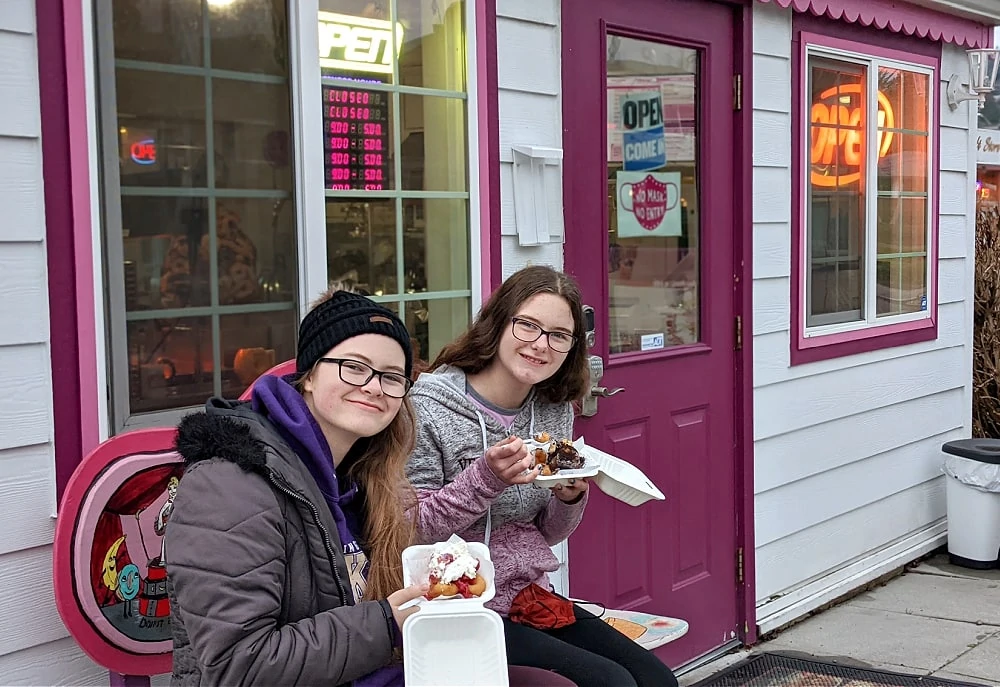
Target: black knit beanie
343,316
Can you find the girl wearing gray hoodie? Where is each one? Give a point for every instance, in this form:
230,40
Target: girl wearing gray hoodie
514,374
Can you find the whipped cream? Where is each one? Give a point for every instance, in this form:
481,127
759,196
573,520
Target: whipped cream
452,561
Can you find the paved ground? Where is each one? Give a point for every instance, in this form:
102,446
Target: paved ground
936,619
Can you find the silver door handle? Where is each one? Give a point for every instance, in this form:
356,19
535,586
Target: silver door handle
604,392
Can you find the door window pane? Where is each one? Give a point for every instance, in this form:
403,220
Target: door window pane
206,261
396,159
654,228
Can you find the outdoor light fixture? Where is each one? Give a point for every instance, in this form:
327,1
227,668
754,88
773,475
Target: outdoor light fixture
983,64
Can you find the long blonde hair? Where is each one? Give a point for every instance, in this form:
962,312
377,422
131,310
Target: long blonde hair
380,472
378,465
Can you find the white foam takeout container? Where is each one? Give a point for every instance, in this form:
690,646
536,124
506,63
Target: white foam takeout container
614,476
461,647
416,560
453,642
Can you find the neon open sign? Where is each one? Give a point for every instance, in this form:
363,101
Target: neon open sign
357,44
143,152
838,134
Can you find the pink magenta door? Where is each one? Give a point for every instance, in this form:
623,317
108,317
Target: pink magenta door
648,117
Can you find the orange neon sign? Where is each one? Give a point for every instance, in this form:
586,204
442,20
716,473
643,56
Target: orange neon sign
849,139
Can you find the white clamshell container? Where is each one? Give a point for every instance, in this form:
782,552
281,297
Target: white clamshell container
614,476
461,647
622,480
416,560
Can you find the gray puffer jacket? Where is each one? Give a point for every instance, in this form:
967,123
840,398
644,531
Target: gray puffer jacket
258,585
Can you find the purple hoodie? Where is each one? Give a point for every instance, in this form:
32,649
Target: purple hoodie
278,400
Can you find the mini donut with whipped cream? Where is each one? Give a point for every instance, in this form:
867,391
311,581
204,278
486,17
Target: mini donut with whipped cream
454,571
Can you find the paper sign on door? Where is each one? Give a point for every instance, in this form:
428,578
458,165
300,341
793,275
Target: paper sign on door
649,204
643,143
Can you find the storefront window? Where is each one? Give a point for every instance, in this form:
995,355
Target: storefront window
868,192
394,93
987,189
200,226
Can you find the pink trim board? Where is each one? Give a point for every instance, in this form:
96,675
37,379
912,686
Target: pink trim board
68,232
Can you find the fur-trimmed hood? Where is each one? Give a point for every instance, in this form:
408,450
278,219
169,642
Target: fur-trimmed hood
221,431
233,431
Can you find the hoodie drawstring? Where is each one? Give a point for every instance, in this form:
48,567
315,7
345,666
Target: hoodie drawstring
489,511
486,446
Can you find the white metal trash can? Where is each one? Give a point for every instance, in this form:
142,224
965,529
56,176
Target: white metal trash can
972,471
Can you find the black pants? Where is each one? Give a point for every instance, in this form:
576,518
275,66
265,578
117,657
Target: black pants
589,652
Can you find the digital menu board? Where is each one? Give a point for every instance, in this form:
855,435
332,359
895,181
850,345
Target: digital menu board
356,138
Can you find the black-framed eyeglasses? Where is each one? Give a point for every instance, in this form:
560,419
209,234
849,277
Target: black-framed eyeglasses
528,331
357,373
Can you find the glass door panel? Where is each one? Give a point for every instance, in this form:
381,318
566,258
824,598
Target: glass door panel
653,219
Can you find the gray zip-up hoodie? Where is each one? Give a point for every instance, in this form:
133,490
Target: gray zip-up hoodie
459,494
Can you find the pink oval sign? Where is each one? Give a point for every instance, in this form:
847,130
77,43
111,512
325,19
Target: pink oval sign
108,567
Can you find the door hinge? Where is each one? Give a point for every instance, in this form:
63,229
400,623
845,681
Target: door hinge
737,92
739,566
738,328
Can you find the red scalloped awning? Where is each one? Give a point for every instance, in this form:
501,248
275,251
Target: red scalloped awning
899,17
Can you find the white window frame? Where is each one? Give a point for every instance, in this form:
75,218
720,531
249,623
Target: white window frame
870,320
306,67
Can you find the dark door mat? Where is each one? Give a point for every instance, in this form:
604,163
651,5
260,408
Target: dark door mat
776,670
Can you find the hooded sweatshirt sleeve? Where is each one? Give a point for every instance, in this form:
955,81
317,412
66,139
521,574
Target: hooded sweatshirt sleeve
226,564
450,499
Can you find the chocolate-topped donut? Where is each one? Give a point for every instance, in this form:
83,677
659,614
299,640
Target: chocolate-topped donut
564,456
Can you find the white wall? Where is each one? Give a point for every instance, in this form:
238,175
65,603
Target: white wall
847,455
34,645
529,59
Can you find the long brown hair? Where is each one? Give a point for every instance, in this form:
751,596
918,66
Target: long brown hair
378,465
474,350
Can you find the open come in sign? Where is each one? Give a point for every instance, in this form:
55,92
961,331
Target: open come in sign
643,143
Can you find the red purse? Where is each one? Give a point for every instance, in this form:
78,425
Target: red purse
541,609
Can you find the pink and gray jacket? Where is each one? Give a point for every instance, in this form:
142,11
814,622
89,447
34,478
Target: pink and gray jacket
459,494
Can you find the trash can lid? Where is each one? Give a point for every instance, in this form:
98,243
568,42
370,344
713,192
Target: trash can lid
982,450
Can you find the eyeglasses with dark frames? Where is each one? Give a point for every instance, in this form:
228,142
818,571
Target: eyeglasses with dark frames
528,331
357,373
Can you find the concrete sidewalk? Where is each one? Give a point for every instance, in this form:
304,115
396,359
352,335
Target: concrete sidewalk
935,619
